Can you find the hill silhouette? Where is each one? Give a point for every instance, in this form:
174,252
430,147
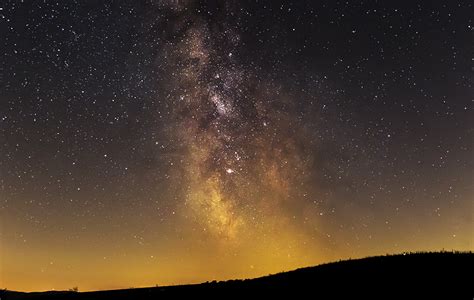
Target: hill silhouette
403,275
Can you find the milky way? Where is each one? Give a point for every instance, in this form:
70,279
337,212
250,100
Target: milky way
168,142
240,160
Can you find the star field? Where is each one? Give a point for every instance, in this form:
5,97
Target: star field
178,141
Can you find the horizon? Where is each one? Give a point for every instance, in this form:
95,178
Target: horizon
77,289
183,141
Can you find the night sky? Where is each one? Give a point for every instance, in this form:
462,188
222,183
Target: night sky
179,141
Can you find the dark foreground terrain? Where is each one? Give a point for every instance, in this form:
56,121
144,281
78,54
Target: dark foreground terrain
440,275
